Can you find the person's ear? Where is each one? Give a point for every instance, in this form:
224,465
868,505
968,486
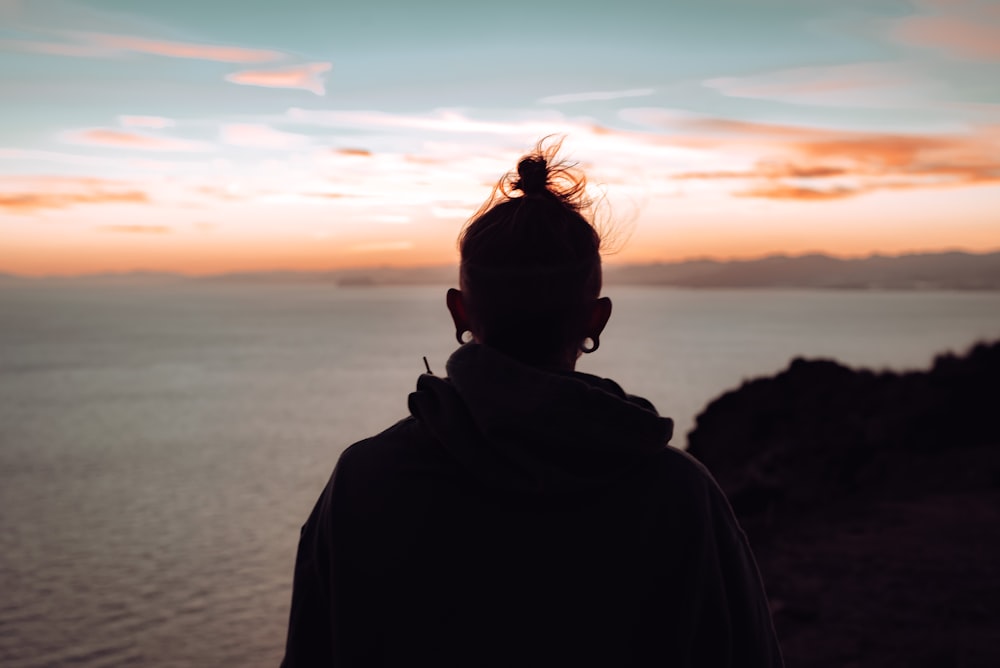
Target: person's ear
600,312
459,314
599,316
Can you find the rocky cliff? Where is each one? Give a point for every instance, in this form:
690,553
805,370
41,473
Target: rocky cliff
872,501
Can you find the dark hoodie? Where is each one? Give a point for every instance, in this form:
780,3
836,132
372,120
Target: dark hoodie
524,517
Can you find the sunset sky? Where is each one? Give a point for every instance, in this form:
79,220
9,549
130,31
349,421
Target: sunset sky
205,137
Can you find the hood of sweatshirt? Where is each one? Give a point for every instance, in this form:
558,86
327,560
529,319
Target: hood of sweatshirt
520,428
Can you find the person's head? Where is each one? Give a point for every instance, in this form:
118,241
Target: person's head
531,266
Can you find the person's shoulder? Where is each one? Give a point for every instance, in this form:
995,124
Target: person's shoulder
678,476
677,464
402,440
397,456
398,434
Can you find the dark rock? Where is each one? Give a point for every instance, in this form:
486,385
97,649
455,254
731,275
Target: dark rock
872,502
819,431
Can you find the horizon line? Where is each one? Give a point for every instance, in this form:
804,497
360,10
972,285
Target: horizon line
139,272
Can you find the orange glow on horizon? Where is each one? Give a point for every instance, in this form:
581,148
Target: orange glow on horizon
141,249
757,190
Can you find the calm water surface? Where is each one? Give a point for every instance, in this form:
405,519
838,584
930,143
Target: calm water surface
160,446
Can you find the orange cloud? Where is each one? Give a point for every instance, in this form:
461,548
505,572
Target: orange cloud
226,194
37,194
686,130
729,129
125,139
866,84
967,158
255,135
100,45
353,151
785,191
424,160
814,164
328,195
136,229
308,76
768,170
151,122
962,37
224,54
381,247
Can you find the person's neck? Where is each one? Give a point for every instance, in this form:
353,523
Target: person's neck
560,363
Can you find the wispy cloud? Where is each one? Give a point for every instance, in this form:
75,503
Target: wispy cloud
231,193
596,96
48,48
102,45
307,76
759,159
787,191
446,121
872,84
255,135
114,138
158,47
959,37
803,163
329,195
452,212
391,218
967,29
26,155
136,229
358,152
768,170
149,122
33,194
687,129
380,247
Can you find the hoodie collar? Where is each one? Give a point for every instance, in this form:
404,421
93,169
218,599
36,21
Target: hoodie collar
535,429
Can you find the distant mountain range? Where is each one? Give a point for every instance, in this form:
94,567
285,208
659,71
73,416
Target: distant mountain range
932,271
927,271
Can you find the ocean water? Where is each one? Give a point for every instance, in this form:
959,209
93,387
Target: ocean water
161,445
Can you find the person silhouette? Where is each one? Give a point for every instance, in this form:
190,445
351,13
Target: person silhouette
525,513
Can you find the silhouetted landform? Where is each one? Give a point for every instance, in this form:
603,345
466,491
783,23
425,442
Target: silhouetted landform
872,501
349,278
137,278
929,271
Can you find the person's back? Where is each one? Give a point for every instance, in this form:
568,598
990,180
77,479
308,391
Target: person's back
525,514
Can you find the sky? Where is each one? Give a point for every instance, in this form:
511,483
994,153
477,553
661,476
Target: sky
210,137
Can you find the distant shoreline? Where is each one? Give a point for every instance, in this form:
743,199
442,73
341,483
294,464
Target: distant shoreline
920,272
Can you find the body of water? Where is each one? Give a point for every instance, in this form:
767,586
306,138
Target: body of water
161,445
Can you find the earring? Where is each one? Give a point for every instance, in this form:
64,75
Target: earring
460,336
595,343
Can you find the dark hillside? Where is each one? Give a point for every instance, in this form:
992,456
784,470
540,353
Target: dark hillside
872,501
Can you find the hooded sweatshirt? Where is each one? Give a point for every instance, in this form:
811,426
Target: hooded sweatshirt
524,517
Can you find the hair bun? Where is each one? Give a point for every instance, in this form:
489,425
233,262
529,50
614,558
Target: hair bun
533,175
